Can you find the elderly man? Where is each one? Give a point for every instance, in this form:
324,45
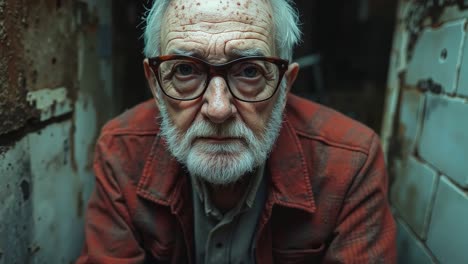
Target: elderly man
225,166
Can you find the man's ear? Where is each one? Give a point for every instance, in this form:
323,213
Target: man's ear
151,79
291,75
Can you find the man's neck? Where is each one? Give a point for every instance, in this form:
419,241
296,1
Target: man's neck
226,197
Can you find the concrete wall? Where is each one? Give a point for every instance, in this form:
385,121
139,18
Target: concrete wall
425,131
56,90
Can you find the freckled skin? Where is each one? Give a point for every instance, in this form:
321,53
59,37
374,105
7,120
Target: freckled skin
213,35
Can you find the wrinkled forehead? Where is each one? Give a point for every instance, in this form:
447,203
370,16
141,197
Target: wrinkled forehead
191,11
244,22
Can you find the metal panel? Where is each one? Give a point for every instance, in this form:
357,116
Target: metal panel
15,204
84,135
437,56
56,195
14,110
49,41
46,177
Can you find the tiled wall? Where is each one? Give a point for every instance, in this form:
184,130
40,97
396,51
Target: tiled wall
425,131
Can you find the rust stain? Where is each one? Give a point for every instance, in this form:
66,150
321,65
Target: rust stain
395,146
90,161
14,109
33,249
25,190
56,161
420,14
91,85
79,199
38,49
50,45
429,85
74,164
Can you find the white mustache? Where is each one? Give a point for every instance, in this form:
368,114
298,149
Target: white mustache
235,129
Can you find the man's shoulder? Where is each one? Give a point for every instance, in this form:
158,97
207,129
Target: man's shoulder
138,120
317,122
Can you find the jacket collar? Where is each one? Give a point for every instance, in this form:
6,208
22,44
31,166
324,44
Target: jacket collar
162,176
287,165
164,180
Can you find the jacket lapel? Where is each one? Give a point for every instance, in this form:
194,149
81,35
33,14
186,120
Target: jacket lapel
290,179
289,186
165,183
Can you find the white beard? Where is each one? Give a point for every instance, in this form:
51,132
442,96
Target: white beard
225,163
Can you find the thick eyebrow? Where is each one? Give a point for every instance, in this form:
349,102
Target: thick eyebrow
239,53
232,55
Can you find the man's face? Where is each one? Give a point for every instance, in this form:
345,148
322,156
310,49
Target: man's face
218,137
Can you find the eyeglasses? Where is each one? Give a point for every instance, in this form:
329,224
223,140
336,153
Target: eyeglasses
249,79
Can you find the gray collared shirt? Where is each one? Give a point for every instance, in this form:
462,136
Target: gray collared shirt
229,237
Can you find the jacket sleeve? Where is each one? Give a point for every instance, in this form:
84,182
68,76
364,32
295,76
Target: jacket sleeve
366,231
109,234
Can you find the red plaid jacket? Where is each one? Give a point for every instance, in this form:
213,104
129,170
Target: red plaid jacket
327,194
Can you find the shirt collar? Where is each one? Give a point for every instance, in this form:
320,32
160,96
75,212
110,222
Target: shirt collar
247,200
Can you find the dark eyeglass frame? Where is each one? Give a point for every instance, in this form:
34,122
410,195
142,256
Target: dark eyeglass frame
217,70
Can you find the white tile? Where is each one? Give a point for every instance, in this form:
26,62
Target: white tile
411,193
448,231
410,249
437,54
444,138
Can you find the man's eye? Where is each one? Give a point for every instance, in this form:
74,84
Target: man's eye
250,72
184,69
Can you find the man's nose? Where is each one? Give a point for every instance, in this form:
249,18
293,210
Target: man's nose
218,105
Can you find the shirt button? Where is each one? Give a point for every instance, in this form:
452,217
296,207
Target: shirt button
219,245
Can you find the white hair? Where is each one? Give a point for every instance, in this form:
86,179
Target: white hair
285,20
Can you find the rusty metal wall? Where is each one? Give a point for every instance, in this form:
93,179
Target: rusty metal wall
425,131
56,91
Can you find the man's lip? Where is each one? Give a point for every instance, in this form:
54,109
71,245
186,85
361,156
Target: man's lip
218,139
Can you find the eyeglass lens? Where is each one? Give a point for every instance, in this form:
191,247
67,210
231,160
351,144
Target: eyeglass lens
251,80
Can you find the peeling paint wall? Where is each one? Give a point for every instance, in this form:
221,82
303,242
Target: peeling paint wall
425,131
56,91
